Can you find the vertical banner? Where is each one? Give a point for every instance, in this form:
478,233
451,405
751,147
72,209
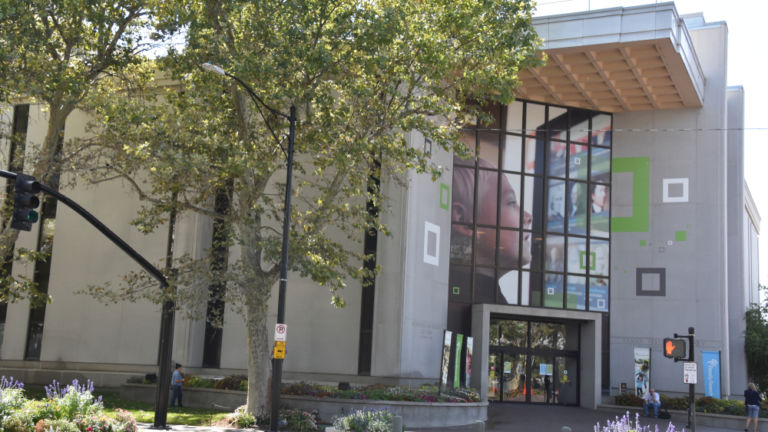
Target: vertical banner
446,358
468,362
642,370
457,361
710,360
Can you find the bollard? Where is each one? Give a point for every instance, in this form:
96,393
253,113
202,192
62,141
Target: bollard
479,426
397,424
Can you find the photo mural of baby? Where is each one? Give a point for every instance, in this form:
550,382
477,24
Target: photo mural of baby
492,192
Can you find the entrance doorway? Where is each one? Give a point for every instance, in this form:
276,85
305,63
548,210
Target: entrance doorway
533,362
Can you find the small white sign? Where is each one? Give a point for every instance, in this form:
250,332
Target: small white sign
280,331
690,372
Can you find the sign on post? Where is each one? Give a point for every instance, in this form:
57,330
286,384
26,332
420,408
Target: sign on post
280,332
689,372
278,352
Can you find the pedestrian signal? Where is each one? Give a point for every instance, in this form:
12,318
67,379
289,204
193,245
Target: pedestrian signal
674,348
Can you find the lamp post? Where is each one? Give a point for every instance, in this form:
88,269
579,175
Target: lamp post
277,363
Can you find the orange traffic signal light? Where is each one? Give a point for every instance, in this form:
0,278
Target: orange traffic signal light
674,348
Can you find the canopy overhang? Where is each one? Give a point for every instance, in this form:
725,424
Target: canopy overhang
616,60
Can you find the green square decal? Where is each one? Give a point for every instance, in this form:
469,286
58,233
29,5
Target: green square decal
445,196
680,236
456,290
642,242
640,168
583,260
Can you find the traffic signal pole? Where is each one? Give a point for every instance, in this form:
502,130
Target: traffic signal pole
164,375
691,387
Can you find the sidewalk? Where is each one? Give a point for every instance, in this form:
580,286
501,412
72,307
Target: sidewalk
522,418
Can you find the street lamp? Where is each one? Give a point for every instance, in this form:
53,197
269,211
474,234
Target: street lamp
277,363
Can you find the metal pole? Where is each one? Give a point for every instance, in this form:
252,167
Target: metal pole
691,387
165,350
277,363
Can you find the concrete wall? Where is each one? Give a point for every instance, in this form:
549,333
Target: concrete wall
684,237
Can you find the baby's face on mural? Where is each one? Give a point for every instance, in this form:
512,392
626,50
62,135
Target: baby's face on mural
509,217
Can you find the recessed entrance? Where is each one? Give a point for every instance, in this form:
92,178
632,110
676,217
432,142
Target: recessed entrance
533,361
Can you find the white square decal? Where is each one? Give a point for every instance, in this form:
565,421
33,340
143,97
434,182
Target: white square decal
675,190
431,244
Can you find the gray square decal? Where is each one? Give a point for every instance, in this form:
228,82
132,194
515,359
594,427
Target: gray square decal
651,282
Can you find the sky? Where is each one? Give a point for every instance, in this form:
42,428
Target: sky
747,67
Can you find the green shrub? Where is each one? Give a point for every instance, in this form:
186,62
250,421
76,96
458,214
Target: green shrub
18,421
629,399
60,426
243,419
41,409
135,380
231,382
196,381
365,421
299,421
680,403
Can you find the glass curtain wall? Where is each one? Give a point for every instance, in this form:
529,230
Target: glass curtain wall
531,211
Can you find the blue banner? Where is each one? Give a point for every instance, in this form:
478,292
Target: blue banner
710,361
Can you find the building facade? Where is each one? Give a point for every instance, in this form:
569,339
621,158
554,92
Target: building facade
604,210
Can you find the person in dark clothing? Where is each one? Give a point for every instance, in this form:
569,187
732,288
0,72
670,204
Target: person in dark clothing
177,380
752,400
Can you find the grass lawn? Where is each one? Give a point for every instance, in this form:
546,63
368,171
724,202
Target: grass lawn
145,412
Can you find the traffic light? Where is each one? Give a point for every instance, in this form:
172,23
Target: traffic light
675,348
25,200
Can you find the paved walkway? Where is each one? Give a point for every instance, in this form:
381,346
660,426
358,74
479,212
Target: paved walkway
525,418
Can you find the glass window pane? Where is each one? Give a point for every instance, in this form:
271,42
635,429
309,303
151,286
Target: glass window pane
600,197
577,208
485,246
510,201
460,284
546,335
513,333
577,293
578,162
599,254
485,286
468,138
579,126
508,287
494,333
577,255
494,376
533,203
556,206
536,242
531,289
511,158
489,147
553,290
487,198
515,386
463,195
515,117
601,130
601,165
557,153
558,121
534,156
598,294
534,118
555,254
461,243
509,247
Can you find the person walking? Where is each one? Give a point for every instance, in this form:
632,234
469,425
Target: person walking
752,401
177,380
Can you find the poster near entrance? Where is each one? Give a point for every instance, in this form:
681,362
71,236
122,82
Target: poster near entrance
468,362
446,358
642,370
710,361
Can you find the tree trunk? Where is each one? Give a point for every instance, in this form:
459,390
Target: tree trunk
259,366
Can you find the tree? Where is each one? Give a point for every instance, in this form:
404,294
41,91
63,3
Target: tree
58,53
363,74
756,343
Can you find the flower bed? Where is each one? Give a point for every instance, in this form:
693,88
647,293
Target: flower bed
704,404
70,409
424,393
